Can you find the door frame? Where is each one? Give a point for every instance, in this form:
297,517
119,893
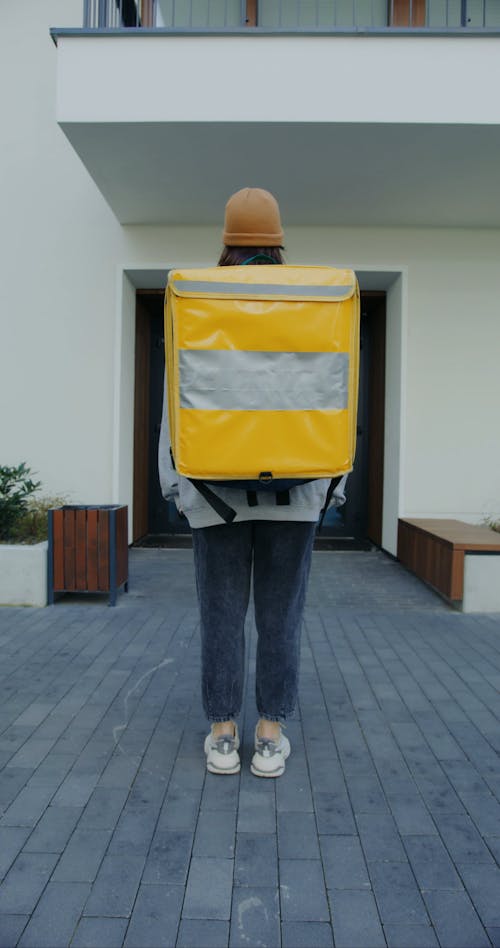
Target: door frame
376,299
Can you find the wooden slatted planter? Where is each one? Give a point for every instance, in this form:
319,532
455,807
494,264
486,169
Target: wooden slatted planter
88,550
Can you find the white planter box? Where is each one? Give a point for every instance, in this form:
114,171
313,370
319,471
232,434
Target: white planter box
23,574
481,582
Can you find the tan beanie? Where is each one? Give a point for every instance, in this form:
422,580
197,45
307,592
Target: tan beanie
252,220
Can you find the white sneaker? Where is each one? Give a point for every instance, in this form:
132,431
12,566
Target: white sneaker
222,752
269,758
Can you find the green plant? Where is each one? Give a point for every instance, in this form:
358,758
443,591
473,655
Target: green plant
492,524
32,526
16,488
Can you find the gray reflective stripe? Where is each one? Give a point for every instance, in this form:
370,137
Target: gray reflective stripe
220,379
260,289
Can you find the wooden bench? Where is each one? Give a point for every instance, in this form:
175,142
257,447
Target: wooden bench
459,560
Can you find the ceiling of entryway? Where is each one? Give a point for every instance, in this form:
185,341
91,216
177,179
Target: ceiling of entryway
323,173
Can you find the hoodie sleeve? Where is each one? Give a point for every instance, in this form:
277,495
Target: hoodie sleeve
338,496
169,479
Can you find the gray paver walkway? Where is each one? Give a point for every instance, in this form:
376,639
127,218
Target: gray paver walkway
385,829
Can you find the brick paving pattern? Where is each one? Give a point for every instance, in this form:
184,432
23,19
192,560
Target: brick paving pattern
384,830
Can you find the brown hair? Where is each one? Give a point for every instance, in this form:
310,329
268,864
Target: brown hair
235,256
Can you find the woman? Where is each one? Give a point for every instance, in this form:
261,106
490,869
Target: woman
272,540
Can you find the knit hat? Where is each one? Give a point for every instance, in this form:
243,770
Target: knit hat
252,220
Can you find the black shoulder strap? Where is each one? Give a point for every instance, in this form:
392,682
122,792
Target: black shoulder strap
283,498
224,510
331,487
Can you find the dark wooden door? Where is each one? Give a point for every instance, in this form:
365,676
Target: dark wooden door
407,13
162,515
360,518
141,418
152,515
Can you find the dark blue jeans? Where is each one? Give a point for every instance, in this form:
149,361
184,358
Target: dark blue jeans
280,553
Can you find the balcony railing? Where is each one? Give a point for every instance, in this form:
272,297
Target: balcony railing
292,15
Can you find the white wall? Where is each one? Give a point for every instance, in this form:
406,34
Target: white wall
58,243
67,315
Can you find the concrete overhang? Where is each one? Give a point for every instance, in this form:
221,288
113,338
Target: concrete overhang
375,131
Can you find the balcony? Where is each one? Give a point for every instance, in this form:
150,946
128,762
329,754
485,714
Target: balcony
292,15
172,105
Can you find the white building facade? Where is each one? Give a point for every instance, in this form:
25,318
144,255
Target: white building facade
121,146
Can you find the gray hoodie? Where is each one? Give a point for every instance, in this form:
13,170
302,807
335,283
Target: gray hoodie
306,501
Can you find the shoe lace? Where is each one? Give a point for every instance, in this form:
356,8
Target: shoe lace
266,746
225,744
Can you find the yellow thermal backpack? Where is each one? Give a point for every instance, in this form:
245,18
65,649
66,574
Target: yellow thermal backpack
262,375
